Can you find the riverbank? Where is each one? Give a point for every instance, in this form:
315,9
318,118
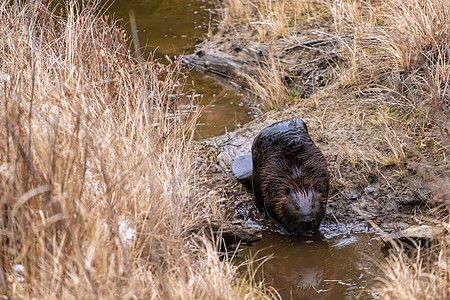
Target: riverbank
378,110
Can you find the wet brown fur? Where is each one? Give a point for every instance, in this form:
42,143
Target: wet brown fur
290,162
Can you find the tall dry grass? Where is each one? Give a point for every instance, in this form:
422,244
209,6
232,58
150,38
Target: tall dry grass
400,50
98,190
424,274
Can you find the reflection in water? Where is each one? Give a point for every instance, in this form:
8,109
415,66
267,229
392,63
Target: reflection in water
318,267
174,27
299,267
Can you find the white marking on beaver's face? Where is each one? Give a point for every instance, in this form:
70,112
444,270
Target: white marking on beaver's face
304,201
303,210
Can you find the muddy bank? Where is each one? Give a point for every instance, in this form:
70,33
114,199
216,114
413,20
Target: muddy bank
368,185
307,62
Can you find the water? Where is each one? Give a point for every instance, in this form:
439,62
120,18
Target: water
335,264
174,27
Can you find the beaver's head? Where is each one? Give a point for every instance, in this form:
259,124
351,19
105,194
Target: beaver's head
300,211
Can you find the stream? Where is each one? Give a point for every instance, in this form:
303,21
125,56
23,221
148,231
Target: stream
174,27
336,263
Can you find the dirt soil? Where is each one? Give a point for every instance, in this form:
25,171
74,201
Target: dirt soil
367,184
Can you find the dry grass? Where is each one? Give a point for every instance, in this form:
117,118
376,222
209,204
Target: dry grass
268,18
400,51
267,84
97,185
396,45
421,274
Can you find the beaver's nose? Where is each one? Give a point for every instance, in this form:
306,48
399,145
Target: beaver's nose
307,219
308,225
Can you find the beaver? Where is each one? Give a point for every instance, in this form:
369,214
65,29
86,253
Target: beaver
290,177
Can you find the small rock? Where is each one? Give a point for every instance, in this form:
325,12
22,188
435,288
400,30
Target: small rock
354,197
242,167
369,189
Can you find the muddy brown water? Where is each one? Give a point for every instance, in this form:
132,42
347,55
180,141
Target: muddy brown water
174,27
337,263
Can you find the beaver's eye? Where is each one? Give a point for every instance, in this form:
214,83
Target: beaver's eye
287,191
